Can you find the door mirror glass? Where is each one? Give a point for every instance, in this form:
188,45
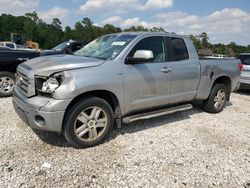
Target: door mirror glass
141,56
144,54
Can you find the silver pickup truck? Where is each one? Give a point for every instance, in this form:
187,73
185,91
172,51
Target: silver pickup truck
119,78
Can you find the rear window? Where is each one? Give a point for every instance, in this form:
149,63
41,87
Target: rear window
10,45
179,49
245,59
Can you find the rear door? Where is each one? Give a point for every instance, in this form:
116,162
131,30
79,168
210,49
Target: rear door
147,84
186,70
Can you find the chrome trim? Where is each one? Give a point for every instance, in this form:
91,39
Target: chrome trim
25,81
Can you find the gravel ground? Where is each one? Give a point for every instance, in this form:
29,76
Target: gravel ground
187,149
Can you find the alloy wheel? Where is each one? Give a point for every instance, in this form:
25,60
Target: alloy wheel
90,124
219,98
6,84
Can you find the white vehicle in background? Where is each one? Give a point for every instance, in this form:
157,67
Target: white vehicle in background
14,46
8,45
215,56
245,74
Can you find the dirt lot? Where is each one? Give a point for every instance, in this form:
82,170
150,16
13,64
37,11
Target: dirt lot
187,149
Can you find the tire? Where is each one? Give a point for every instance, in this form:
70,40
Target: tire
217,99
7,82
88,122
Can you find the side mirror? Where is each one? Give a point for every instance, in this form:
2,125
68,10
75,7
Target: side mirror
140,56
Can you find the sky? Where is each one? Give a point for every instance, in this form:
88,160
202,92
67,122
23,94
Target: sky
224,21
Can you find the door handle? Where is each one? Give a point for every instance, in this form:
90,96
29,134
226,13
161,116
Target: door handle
166,70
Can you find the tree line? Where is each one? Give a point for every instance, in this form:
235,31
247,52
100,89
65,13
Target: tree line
48,35
205,48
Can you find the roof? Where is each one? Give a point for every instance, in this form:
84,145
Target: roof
145,33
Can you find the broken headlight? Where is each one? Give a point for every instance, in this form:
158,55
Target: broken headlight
49,84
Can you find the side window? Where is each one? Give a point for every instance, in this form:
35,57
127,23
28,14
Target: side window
155,44
179,49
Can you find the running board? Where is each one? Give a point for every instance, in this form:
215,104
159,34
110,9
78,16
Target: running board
156,113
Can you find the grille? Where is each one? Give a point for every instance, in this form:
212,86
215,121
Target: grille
25,84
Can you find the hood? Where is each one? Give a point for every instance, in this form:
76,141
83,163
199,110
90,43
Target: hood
47,65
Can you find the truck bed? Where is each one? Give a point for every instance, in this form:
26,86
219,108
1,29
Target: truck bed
212,68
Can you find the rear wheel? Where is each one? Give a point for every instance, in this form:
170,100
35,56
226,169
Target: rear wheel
7,82
88,122
217,99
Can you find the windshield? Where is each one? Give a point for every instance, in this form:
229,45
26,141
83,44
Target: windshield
106,47
61,46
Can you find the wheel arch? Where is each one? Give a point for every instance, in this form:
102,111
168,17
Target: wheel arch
108,96
227,82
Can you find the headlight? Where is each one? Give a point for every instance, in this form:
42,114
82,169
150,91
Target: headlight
50,84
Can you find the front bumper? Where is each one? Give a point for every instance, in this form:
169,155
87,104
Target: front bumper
40,112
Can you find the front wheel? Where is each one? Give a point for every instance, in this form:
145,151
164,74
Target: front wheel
7,82
217,99
88,122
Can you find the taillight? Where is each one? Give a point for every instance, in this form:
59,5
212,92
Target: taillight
240,66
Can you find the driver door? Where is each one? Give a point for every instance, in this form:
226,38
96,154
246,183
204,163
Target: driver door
147,84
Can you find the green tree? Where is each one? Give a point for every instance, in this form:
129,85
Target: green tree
158,29
30,27
136,28
33,16
196,42
10,24
68,34
57,23
108,29
204,40
50,35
